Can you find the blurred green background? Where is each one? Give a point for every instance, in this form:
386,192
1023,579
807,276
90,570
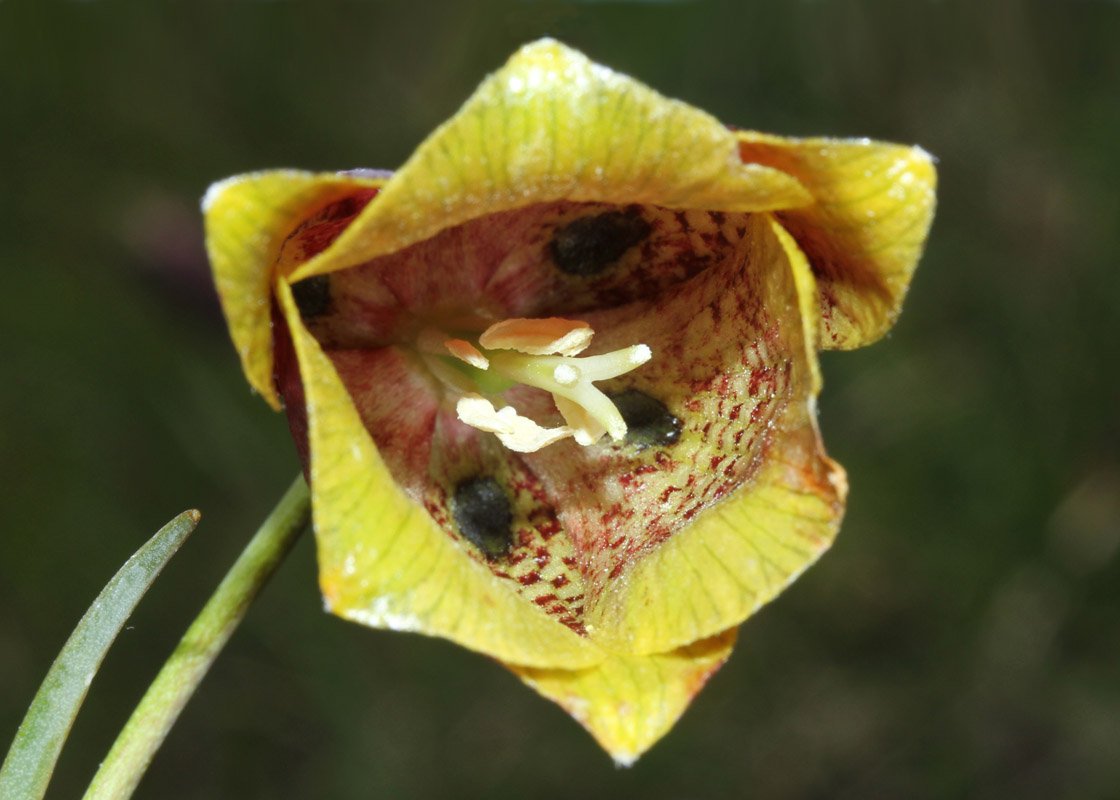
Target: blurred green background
961,639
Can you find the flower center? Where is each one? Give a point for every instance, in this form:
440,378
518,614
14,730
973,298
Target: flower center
539,353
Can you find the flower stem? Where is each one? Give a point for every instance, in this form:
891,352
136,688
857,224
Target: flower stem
157,712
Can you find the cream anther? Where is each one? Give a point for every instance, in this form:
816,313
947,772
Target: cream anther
465,351
538,353
516,432
538,337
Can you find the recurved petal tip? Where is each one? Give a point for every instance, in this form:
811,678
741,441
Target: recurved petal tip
629,702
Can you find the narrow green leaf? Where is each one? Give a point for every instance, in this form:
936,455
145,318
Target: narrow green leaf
142,735
30,761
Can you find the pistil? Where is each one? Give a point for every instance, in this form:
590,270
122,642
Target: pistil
541,353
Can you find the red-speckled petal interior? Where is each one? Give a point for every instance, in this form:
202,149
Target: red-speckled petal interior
682,282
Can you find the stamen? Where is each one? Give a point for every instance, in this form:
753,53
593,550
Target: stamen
449,375
538,337
538,353
516,432
465,351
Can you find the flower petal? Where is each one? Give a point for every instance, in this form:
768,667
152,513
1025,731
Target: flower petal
383,561
735,374
247,219
866,230
629,702
739,553
551,125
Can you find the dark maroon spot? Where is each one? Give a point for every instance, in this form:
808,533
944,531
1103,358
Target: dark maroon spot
313,296
648,422
588,245
483,515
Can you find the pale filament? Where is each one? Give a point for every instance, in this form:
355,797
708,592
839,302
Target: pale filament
542,353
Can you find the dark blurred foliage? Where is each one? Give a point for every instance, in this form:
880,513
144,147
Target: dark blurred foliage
962,638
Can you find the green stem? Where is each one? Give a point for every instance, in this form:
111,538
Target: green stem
157,712
30,763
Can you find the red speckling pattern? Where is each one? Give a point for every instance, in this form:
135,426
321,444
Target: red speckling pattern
724,337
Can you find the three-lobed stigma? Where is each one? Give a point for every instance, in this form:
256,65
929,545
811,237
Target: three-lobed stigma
534,352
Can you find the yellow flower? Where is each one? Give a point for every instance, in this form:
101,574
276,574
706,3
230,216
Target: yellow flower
553,381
